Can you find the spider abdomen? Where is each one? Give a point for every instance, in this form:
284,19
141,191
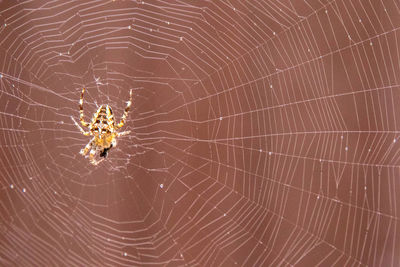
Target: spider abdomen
103,121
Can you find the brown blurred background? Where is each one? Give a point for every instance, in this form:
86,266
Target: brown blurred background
263,133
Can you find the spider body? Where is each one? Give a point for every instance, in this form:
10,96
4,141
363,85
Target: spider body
105,152
103,128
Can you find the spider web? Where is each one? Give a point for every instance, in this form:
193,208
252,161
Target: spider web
263,133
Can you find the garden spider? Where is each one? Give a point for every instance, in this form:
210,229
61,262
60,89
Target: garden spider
103,129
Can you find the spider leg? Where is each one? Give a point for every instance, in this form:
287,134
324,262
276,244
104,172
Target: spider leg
123,133
87,148
128,107
92,159
83,122
80,128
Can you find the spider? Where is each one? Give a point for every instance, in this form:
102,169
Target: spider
103,129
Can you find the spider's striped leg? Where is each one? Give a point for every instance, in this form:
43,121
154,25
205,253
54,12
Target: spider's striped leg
80,128
87,148
123,133
128,107
92,159
83,122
